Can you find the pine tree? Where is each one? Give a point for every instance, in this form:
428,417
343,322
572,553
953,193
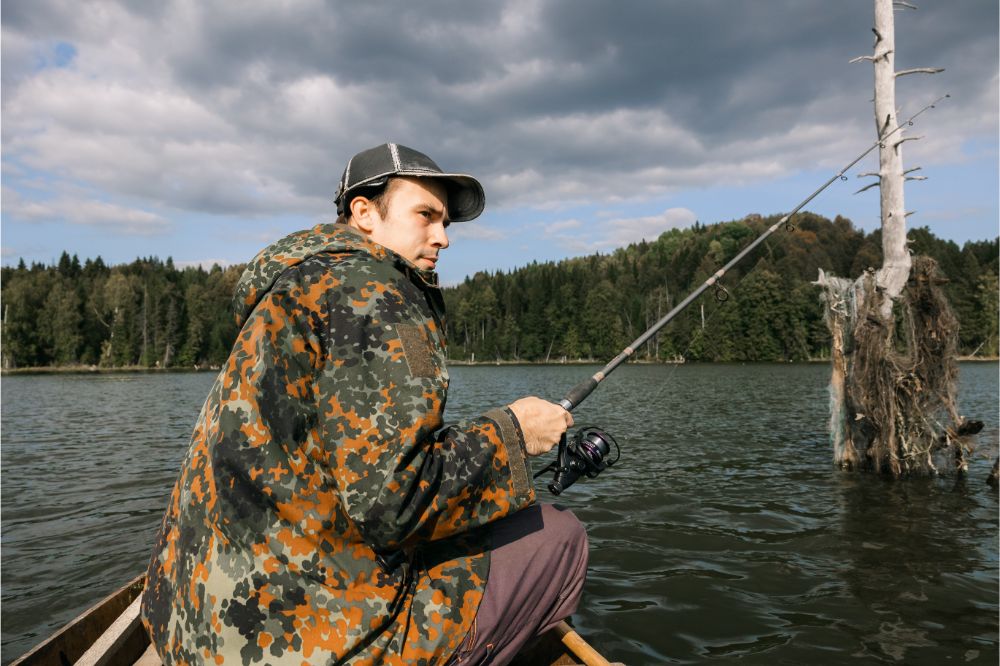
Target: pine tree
62,319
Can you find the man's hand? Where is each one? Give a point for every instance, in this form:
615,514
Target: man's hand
542,422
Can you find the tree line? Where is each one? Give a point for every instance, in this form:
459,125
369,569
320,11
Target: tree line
149,313
592,307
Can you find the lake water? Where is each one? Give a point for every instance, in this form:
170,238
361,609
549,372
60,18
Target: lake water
724,533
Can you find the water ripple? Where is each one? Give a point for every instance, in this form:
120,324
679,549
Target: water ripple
724,533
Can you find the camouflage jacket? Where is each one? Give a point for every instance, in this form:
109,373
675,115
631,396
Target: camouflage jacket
323,514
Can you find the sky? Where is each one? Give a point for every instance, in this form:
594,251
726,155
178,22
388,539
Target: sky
204,130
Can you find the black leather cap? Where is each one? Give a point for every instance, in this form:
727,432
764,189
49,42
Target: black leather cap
374,167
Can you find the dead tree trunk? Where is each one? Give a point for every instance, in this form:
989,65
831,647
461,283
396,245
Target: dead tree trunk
896,262
143,360
892,387
7,361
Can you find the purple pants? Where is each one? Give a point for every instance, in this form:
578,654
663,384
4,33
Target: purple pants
537,568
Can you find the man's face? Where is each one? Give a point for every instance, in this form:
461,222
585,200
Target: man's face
415,220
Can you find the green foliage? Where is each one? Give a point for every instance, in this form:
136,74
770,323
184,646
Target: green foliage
591,307
138,314
151,314
62,318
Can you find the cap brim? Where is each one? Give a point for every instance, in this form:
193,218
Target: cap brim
466,198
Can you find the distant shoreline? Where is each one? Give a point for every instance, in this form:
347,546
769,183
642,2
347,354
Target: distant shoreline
97,370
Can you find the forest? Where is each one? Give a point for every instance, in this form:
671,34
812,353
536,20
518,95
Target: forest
151,314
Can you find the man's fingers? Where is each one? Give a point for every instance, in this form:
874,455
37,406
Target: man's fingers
542,422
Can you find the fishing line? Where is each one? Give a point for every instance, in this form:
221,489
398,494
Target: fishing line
725,297
580,392
588,451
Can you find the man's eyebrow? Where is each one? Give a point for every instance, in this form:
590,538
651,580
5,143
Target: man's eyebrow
437,210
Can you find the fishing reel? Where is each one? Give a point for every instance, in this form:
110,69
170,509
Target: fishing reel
586,454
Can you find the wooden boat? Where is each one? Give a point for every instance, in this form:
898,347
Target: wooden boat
107,633
111,634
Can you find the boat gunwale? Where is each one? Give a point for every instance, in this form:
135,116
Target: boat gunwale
71,641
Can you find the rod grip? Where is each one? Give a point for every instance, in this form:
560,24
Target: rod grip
578,393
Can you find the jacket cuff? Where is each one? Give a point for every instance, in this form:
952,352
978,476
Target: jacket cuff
512,439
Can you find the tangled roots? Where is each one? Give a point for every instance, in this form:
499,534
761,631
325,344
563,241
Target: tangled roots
893,390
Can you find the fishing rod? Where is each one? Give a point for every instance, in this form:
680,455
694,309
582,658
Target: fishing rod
590,447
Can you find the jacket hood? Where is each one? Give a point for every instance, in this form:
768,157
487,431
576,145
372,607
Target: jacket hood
264,269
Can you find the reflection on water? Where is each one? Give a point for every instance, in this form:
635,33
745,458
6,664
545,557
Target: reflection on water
724,532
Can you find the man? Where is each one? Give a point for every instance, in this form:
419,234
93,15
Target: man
324,513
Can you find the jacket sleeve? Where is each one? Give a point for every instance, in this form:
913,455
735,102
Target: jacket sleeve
401,476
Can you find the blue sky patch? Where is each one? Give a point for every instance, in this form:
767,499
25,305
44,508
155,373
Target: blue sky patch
63,53
60,55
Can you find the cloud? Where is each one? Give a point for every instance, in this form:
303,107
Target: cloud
608,234
632,230
955,215
478,230
251,109
111,217
555,228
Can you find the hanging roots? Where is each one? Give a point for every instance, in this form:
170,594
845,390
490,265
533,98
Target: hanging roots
893,386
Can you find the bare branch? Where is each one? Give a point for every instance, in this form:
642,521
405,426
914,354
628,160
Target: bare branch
920,70
905,139
885,125
869,186
878,56
916,178
912,170
909,213
899,4
870,173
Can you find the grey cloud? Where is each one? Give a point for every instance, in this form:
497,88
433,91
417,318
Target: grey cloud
87,212
547,101
615,232
356,43
479,231
41,18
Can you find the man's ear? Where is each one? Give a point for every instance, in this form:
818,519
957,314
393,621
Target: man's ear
364,215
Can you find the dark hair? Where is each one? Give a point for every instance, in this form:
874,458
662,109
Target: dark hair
377,194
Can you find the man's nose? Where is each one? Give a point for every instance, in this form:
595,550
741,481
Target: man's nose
439,236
